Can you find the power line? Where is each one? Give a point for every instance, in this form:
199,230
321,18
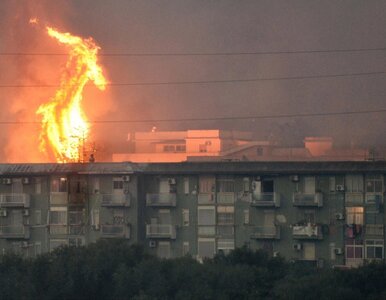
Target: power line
231,118
207,53
206,81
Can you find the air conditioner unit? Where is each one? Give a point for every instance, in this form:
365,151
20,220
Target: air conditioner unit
26,212
24,244
297,247
338,251
7,181
257,178
126,178
172,181
152,244
3,212
295,178
339,187
276,253
339,216
25,180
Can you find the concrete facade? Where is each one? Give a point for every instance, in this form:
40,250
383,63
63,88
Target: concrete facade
325,213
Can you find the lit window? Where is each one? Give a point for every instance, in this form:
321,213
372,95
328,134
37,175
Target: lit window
59,185
354,215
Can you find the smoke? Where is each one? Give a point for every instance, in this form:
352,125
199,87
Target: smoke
176,26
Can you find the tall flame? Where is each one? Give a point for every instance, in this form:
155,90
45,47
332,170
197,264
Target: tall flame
64,124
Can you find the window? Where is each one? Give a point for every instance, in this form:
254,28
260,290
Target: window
226,186
185,217
206,215
38,185
38,217
186,186
309,251
185,248
246,216
374,249
225,215
206,247
267,186
58,216
225,245
163,249
374,184
354,249
180,148
354,215
75,217
168,148
59,185
207,184
95,218
117,184
354,183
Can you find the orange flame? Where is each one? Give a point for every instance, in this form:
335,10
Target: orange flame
64,124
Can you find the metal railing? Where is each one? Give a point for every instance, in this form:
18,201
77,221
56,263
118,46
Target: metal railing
226,197
303,199
309,231
116,230
15,200
160,231
266,232
115,200
14,231
266,199
161,199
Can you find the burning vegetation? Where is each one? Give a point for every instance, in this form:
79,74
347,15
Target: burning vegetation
64,123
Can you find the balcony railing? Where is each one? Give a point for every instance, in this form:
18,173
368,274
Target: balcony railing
77,198
115,231
206,198
266,232
374,229
160,231
14,200
302,199
115,200
161,199
309,231
14,232
354,198
58,198
225,198
266,199
58,229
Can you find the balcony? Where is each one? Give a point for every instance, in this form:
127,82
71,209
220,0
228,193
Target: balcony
302,199
14,200
353,198
58,198
14,232
266,232
115,200
266,200
115,231
59,229
77,198
309,231
225,198
160,231
374,230
206,198
161,199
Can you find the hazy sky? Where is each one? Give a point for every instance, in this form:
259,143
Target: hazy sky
178,26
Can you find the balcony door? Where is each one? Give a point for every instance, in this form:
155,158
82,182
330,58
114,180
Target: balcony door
309,185
17,186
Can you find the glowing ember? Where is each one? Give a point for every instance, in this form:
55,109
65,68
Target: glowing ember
64,124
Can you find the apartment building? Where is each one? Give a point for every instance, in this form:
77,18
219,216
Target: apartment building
324,213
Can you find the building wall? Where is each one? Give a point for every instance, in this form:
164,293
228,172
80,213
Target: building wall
323,217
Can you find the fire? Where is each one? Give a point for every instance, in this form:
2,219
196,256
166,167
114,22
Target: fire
64,123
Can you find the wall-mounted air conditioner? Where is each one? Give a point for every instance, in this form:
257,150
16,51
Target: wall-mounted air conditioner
339,216
25,180
126,178
295,178
297,247
339,188
172,180
338,251
152,244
